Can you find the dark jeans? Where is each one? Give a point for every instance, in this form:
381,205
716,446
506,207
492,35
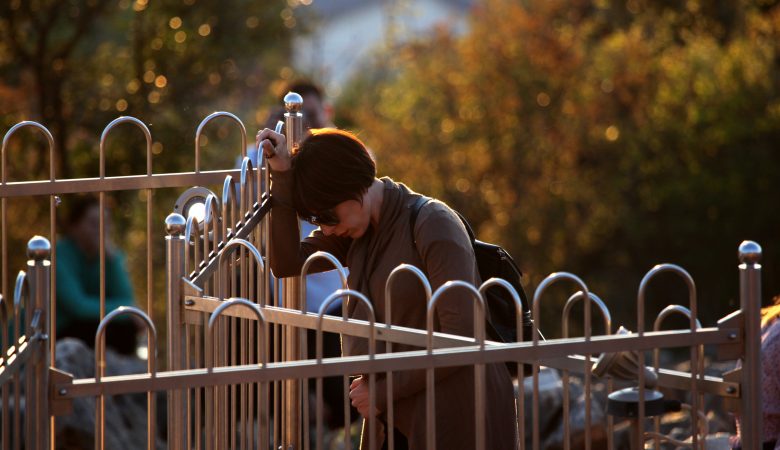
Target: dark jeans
768,445
120,335
400,442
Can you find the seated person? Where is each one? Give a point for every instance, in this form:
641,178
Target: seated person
78,280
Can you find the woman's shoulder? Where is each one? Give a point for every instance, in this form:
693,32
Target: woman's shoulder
66,247
437,221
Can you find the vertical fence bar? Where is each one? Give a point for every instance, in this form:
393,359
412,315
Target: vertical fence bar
21,282
5,431
37,416
291,299
100,367
750,303
174,255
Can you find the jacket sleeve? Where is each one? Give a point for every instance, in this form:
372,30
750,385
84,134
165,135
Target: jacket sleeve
447,255
288,252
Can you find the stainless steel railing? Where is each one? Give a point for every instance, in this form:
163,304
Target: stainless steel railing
238,377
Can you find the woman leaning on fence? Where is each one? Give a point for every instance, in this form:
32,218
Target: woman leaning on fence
365,222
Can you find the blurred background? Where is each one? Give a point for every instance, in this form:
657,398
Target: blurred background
598,137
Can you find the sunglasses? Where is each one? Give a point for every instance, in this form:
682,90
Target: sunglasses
327,218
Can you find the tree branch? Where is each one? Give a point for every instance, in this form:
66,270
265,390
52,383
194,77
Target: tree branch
85,21
13,43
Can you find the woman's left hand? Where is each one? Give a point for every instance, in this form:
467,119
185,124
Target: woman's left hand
358,393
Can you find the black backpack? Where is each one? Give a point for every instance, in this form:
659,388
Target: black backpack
494,261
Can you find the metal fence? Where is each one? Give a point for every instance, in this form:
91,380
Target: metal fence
238,374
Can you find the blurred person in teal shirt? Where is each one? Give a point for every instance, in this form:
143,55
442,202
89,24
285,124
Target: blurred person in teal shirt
78,280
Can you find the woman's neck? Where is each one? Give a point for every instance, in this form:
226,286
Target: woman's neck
375,195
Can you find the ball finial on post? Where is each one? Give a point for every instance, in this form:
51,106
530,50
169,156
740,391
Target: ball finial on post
38,248
175,224
749,252
293,102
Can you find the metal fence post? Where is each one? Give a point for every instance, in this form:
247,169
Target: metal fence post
750,303
291,299
174,253
37,413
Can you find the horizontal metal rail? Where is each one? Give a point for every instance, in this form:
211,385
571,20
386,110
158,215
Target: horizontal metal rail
195,306
412,336
10,351
17,358
463,356
119,183
674,379
360,328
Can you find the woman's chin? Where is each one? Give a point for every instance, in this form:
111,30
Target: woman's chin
356,234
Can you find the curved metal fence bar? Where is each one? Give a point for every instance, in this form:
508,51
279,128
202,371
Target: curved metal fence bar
231,303
593,298
219,398
21,282
248,185
426,285
302,332
346,294
208,119
587,373
100,365
662,316
237,197
102,251
211,228
640,324
12,131
230,223
546,283
391,279
118,121
53,199
234,243
499,282
231,216
316,256
479,368
191,239
520,399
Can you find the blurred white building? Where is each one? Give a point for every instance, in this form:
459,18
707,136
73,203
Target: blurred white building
344,32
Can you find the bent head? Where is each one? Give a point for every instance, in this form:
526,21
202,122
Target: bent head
82,224
333,171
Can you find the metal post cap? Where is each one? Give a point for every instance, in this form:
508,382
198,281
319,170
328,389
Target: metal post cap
293,102
175,224
749,252
38,248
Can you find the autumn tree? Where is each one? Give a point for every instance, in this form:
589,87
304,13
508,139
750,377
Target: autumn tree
594,137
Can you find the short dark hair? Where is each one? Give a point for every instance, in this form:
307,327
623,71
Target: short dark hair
303,87
329,167
79,205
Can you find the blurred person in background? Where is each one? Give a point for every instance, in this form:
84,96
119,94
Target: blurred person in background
78,279
317,112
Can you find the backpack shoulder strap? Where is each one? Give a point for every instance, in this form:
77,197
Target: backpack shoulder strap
416,207
422,201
